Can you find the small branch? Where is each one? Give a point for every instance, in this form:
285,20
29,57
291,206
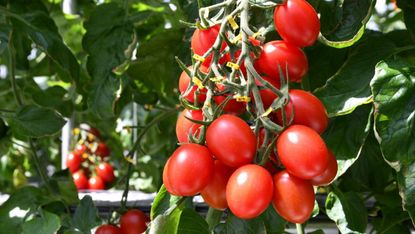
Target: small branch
300,228
12,70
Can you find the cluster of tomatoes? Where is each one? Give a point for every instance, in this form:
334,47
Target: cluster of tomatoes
133,221
88,161
221,166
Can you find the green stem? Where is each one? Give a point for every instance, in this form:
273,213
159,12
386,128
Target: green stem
213,217
300,228
12,70
40,169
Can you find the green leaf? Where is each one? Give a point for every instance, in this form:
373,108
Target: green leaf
44,224
349,87
234,225
34,121
346,135
343,22
162,202
347,210
408,8
406,183
86,215
108,41
54,97
62,183
393,89
274,223
33,18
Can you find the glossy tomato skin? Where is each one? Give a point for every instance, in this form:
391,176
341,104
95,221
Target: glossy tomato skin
329,174
185,126
308,110
81,149
297,22
293,197
134,222
214,193
284,55
102,150
232,106
96,183
106,172
188,170
80,180
73,161
302,151
184,82
249,191
108,229
231,140
203,39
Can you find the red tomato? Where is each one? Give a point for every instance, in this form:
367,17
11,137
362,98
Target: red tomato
329,174
106,172
102,150
184,126
203,40
134,222
232,106
184,82
297,22
81,149
302,151
267,96
249,191
308,110
293,197
96,183
80,180
188,170
95,132
281,53
73,161
231,140
108,229
214,193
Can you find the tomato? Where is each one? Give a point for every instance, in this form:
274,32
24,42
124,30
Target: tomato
102,150
249,191
80,180
95,132
308,110
184,82
329,174
214,193
297,22
96,183
203,40
188,170
73,161
267,95
293,197
134,222
106,172
231,140
184,126
108,229
277,54
302,151
81,149
232,106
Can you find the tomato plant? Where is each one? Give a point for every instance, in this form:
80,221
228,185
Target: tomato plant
106,172
80,180
184,82
134,222
328,175
96,183
108,229
184,125
73,161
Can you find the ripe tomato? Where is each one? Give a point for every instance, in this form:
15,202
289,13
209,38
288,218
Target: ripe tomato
184,126
203,40
80,180
232,106
106,172
184,82
134,222
73,161
231,140
81,149
96,183
214,193
249,191
102,150
293,197
108,229
297,22
329,174
281,53
302,151
188,170
308,110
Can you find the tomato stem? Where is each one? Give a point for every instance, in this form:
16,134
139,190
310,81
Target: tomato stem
300,228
